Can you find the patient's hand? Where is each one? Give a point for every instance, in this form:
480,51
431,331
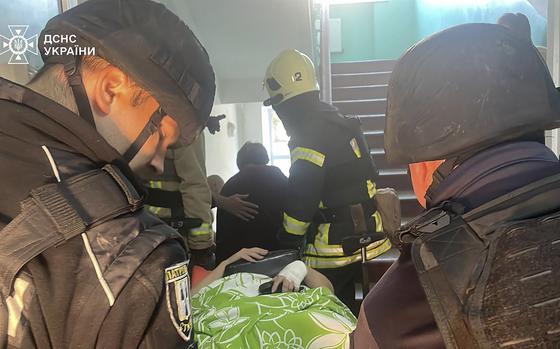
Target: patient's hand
248,254
287,284
252,254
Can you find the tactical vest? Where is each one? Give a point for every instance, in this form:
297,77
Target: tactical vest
55,213
491,275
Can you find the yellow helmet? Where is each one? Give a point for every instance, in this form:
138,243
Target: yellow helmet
290,74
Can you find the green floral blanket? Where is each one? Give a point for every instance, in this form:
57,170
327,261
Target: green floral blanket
229,313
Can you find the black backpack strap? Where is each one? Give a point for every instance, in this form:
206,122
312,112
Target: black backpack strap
55,213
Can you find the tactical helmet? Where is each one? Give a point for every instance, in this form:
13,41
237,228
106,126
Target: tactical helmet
464,89
147,42
290,74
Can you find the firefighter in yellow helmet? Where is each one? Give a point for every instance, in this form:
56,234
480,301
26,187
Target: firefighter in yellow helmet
331,187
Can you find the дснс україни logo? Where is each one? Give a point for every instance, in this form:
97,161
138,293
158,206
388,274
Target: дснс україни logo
18,45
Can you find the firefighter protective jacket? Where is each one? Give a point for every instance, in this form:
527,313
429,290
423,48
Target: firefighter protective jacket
183,192
117,281
331,170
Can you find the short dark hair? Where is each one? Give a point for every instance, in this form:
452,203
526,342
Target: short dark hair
54,73
517,22
252,154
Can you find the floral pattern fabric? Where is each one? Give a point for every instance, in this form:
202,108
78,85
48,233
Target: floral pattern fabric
229,313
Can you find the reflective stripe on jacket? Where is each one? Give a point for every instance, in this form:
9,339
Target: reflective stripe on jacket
330,172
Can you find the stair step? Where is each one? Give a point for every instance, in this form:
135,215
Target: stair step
362,107
359,92
375,139
380,161
393,172
360,79
398,182
363,66
374,132
360,88
373,122
407,195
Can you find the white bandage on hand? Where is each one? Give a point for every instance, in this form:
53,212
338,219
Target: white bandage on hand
295,272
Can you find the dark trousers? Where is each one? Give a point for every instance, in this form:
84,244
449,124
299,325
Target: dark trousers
396,313
343,280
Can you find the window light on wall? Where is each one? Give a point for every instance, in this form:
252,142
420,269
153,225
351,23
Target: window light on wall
452,3
335,2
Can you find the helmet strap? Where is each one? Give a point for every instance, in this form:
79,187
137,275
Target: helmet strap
151,127
72,69
439,175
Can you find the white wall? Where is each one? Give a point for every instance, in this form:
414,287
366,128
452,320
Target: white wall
243,123
249,117
221,148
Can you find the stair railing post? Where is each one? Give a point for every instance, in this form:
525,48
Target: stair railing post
65,5
326,89
553,57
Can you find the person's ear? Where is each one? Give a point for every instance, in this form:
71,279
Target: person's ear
108,85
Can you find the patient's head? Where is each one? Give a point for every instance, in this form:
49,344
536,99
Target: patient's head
517,22
251,154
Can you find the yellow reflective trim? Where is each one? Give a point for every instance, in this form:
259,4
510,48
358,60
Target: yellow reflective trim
294,226
374,250
322,205
204,229
156,184
356,148
16,304
155,210
334,250
313,156
371,189
378,222
322,237
321,245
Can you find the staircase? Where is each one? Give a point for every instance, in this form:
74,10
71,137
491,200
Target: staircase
360,88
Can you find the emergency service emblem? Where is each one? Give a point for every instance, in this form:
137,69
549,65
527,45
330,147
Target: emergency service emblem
18,45
177,283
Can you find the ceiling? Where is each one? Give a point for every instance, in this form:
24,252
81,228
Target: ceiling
243,36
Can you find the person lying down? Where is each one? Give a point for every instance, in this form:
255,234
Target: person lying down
298,311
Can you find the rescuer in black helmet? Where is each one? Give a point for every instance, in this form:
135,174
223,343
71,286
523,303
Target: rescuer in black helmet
466,109
83,264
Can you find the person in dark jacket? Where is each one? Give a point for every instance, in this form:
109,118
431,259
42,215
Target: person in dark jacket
262,185
331,189
466,109
83,264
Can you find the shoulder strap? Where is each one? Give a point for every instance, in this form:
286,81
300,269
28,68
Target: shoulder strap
55,213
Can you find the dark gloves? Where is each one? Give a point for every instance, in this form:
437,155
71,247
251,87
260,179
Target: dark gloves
213,123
